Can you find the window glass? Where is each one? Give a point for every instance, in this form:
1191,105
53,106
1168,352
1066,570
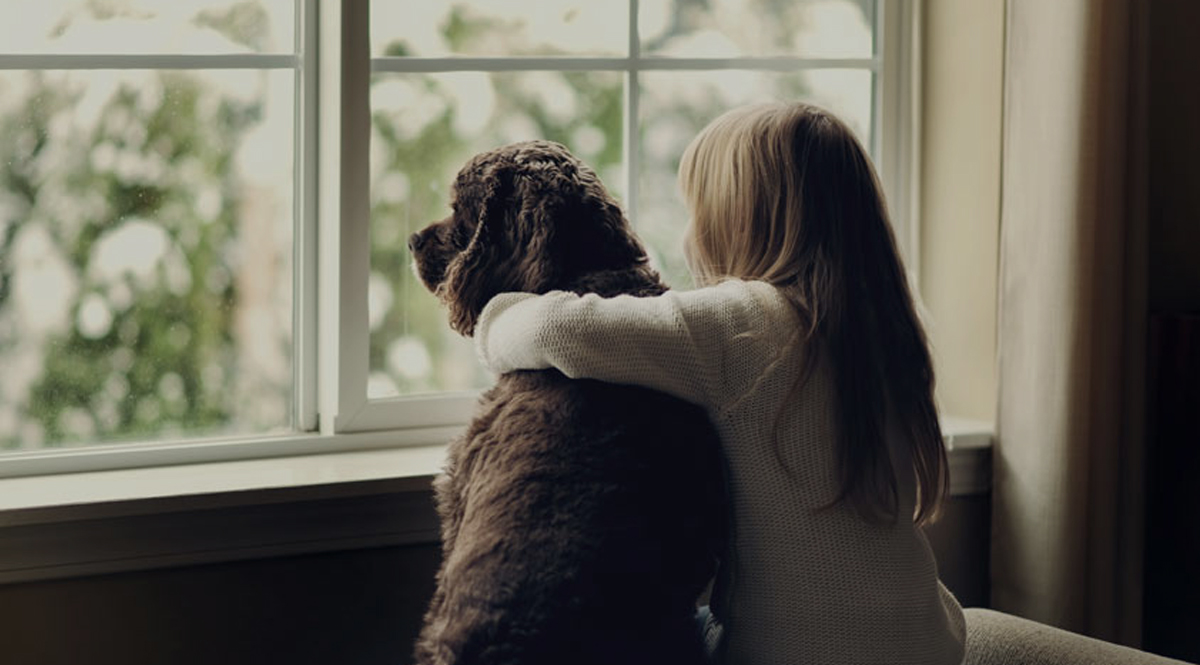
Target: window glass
438,28
146,228
738,28
147,26
424,127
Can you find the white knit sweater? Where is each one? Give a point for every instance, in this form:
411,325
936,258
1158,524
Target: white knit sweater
801,586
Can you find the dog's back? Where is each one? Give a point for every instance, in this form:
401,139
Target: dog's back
579,520
580,523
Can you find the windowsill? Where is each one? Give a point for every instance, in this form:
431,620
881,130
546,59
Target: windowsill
41,499
68,525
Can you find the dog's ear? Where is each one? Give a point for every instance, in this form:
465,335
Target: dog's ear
541,220
516,245
476,273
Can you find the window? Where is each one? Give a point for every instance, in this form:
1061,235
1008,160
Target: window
146,206
198,238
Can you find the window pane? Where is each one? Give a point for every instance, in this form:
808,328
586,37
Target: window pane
436,28
147,26
145,254
675,106
424,129
735,28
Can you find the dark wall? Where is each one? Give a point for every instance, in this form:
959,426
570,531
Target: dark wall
1172,580
961,539
347,608
1174,234
360,607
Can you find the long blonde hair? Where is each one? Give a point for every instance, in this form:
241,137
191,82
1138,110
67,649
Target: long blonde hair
784,193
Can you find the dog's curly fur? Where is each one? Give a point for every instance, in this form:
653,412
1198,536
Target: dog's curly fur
580,520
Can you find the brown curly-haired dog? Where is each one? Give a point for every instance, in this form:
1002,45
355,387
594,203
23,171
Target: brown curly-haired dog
580,520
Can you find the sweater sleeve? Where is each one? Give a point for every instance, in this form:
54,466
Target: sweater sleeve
704,346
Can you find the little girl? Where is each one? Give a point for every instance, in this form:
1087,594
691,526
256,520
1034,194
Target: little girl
804,347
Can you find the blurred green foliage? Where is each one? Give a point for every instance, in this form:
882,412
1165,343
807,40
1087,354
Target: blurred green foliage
144,374
130,218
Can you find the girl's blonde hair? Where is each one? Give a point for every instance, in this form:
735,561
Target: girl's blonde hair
785,194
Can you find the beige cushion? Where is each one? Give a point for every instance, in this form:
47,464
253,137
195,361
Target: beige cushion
994,638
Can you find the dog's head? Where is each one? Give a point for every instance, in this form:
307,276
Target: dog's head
528,217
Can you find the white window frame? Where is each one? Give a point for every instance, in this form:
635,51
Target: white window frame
332,410
898,122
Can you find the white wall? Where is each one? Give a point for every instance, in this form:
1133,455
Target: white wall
962,80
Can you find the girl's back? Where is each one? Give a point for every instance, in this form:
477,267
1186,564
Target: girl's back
802,581
807,583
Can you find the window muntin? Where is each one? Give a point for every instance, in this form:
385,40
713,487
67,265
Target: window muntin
146,223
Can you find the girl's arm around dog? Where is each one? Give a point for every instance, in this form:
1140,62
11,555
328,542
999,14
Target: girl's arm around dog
706,346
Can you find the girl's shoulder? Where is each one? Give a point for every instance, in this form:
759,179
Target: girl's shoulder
746,293
755,319
768,305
